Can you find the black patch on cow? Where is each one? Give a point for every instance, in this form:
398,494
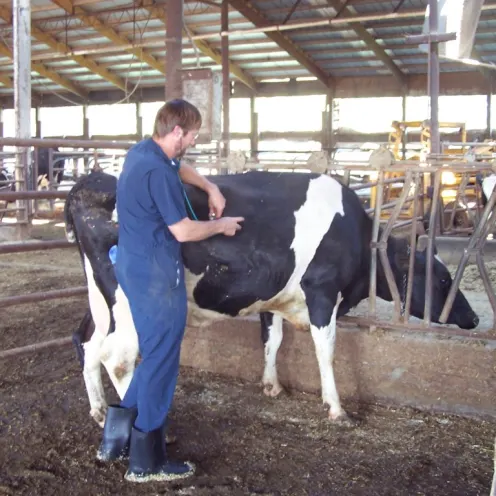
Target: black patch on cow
88,213
256,263
266,319
83,335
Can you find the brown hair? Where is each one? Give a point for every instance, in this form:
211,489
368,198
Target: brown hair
176,113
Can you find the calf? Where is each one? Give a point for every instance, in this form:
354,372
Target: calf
303,255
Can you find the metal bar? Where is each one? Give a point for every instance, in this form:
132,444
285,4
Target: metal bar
32,195
226,85
413,243
43,296
471,248
393,288
173,49
487,283
390,205
36,347
286,19
478,336
373,257
50,142
356,187
22,104
26,246
430,247
461,188
434,77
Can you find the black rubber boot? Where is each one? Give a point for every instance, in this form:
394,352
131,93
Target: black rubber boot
116,433
148,459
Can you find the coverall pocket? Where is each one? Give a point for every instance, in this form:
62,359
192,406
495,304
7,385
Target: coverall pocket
169,267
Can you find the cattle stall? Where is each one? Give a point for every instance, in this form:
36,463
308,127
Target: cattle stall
422,395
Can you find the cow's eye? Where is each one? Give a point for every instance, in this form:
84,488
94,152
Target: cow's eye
444,282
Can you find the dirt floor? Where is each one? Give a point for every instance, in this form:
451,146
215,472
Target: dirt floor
242,442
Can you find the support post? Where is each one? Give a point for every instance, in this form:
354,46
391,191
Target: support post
403,118
139,121
488,112
173,50
253,129
226,84
434,77
22,105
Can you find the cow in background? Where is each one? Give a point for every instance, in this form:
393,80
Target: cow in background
303,255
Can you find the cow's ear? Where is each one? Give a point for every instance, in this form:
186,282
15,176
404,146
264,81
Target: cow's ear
422,242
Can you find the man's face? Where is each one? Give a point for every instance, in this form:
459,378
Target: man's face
185,140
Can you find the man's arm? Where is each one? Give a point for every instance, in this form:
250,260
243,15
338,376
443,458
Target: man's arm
194,230
216,201
191,176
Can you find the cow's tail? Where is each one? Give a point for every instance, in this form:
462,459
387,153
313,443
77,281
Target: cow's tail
70,232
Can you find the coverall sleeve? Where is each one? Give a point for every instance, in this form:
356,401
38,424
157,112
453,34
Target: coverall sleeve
169,200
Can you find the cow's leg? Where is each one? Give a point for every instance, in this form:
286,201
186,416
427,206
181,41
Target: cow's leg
272,338
92,349
120,348
320,301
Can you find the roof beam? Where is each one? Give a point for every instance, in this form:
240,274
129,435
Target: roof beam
206,49
44,71
259,20
60,47
369,40
93,22
216,56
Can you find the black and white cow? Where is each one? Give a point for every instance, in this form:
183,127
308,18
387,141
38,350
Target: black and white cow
303,255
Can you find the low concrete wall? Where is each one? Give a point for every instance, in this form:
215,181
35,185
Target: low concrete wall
451,249
456,375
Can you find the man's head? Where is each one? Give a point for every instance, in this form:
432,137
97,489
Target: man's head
176,127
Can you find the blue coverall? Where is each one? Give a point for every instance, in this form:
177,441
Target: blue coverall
150,271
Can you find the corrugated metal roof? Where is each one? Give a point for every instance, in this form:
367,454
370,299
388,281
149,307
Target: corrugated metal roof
330,49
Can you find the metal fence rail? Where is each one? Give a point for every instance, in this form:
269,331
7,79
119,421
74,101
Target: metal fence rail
412,174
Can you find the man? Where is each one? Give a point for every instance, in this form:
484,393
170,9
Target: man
152,224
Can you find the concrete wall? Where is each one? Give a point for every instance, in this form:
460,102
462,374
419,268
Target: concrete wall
456,375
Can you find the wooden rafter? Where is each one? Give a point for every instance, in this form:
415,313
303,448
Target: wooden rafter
93,22
44,71
369,40
258,19
60,47
207,50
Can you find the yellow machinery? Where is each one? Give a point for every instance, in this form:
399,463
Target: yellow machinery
450,181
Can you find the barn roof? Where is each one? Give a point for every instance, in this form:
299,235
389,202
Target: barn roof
84,49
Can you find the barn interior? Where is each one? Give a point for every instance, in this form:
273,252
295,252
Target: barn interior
392,98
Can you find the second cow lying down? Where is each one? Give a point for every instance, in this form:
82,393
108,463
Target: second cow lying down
303,255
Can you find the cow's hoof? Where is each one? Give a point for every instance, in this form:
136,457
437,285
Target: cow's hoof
272,390
342,419
98,415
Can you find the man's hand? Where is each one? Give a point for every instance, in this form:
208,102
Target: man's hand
230,225
216,202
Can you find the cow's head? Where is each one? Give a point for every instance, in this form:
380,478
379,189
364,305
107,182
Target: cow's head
461,313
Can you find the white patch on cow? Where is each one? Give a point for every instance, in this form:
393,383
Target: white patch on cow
92,372
314,218
272,387
488,184
115,217
69,235
120,348
324,339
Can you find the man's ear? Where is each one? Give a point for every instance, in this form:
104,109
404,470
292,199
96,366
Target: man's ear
178,132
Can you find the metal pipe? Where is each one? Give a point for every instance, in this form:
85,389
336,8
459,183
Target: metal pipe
50,142
430,247
226,85
32,195
374,246
34,246
35,347
473,247
413,246
393,288
356,187
434,76
43,296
